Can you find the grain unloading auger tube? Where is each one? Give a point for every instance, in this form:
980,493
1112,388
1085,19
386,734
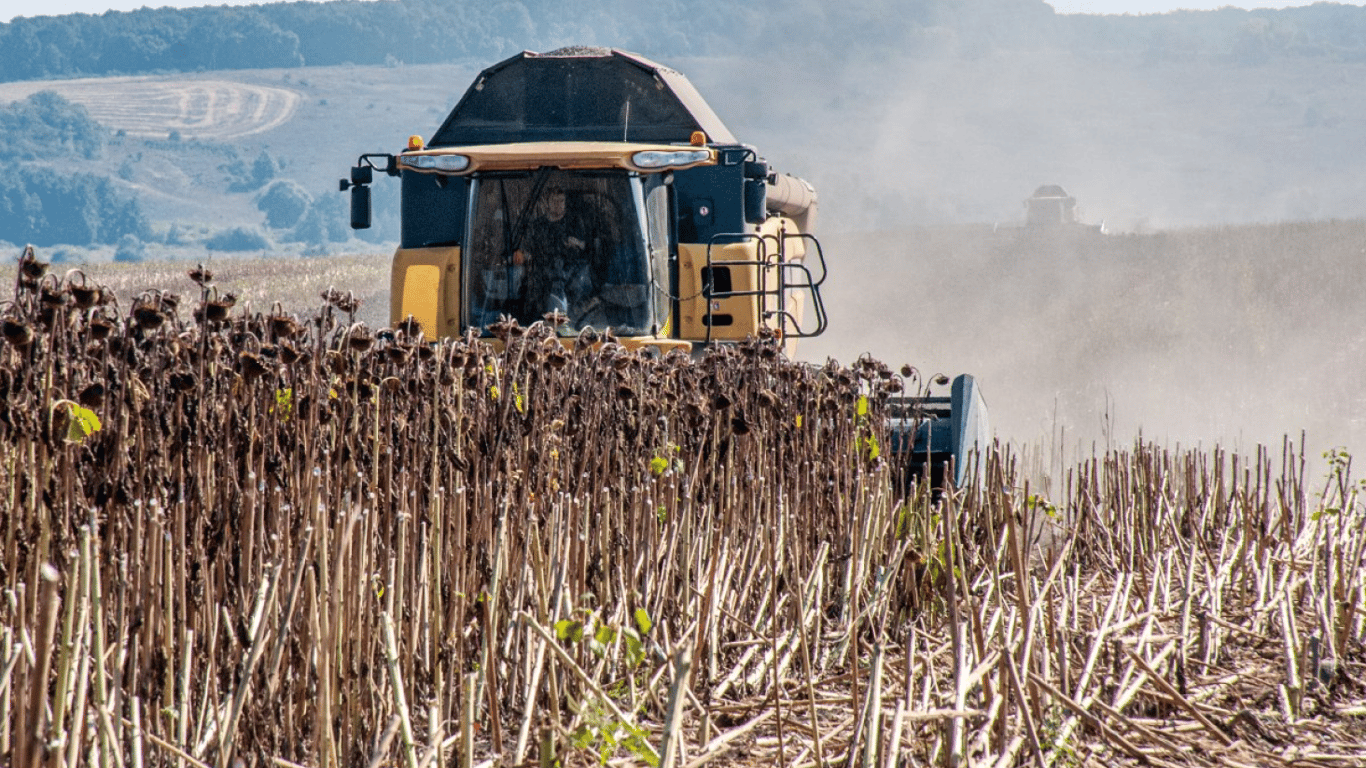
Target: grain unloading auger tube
596,188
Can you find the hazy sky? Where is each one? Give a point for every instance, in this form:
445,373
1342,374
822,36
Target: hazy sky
11,8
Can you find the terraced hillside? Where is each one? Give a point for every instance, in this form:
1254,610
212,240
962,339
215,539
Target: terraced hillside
148,107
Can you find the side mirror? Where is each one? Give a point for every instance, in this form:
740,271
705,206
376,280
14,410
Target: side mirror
756,198
360,206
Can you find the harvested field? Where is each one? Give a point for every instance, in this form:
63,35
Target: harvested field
206,109
294,541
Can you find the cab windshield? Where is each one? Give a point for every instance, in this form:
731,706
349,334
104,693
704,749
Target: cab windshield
555,241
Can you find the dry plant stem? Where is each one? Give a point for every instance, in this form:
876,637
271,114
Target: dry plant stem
67,655
75,743
136,707
955,627
1091,719
436,745
12,654
470,689
673,724
874,710
806,663
718,746
1176,696
258,629
183,720
180,754
32,742
381,751
532,691
295,587
773,651
109,753
1148,733
1023,706
400,697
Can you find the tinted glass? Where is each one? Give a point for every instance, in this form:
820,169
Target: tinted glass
572,98
553,241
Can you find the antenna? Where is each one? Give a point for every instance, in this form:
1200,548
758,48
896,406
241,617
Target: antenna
626,124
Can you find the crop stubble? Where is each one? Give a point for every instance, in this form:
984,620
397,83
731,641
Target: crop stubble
295,541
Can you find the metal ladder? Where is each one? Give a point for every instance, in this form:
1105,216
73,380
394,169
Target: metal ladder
792,276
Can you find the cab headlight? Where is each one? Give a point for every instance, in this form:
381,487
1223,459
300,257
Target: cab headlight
447,163
655,158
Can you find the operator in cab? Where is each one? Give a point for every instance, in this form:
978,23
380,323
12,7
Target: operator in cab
556,242
557,258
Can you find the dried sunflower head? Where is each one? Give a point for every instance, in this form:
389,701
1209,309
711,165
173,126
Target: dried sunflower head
201,276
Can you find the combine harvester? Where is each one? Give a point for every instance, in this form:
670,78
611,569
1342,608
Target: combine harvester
596,187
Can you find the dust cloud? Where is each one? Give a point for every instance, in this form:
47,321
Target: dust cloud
1222,306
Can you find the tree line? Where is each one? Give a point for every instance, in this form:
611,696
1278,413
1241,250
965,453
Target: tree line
45,205
429,31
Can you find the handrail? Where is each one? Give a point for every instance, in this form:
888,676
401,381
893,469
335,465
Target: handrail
806,280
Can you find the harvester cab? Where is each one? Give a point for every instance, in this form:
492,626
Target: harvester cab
1050,206
597,188
597,185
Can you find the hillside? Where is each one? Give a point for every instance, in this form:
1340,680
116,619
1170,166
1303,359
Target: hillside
174,140
906,142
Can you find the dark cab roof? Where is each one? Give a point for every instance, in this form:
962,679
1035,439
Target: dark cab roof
579,94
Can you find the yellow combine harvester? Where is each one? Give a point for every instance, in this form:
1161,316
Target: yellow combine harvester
599,185
597,188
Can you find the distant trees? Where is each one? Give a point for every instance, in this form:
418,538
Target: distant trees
145,40
324,222
130,249
284,202
249,178
425,31
44,207
45,124
1252,44
238,239
236,38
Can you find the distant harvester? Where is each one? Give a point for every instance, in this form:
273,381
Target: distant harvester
1050,206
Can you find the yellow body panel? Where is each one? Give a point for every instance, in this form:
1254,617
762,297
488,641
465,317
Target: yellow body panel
425,283
422,295
746,314
741,311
